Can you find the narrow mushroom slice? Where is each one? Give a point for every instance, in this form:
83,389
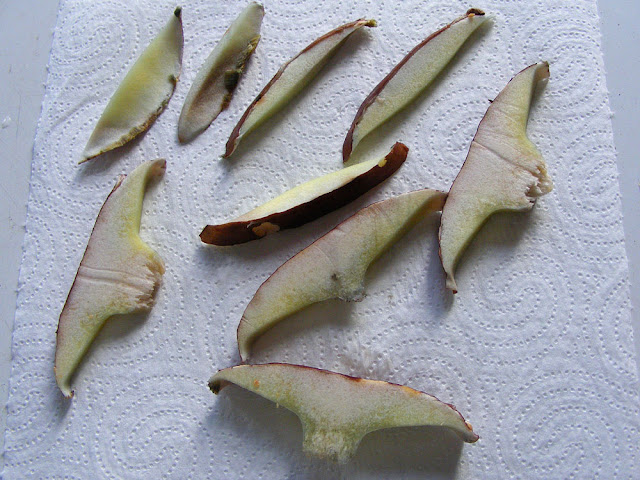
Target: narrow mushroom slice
143,93
334,266
503,170
337,411
118,274
308,201
292,77
218,77
410,77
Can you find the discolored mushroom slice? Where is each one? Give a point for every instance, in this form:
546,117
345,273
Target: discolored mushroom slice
334,266
308,201
292,77
218,77
503,169
336,410
410,77
143,94
118,274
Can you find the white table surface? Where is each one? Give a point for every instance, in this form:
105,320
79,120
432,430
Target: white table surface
26,29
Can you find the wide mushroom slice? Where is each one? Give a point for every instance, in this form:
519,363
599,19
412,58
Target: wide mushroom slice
503,171
336,410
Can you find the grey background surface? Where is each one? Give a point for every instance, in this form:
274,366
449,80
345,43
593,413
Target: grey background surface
25,40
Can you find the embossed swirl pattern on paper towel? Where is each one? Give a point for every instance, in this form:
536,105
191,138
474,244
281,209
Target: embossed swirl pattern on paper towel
535,350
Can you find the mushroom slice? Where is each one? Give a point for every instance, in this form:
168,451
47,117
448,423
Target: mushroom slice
292,77
503,171
334,266
118,274
143,94
308,201
337,410
218,77
410,77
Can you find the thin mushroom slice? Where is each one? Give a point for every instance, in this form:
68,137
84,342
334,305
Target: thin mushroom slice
143,93
334,266
337,411
118,274
410,77
219,75
307,201
503,171
292,77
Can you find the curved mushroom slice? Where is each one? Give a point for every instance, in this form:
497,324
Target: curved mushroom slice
336,410
118,273
334,266
143,94
308,201
218,77
292,77
503,169
410,77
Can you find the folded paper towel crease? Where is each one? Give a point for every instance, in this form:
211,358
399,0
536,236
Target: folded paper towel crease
535,350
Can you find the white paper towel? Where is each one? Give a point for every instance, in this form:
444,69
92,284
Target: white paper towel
535,350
